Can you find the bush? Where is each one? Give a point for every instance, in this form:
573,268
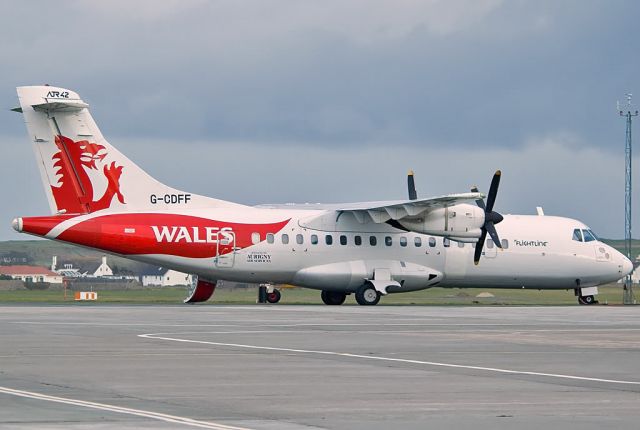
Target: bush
36,285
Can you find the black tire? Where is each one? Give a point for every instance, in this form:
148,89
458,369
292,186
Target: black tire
366,295
274,296
333,298
587,300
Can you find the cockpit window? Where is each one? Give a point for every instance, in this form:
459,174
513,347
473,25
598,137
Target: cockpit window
593,234
577,235
588,236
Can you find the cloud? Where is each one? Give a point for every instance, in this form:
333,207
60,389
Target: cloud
358,90
557,172
471,73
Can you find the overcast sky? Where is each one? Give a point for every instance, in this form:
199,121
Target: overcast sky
333,101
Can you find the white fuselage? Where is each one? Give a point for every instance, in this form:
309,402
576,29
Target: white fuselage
539,252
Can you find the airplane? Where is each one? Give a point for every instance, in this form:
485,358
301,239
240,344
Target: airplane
101,199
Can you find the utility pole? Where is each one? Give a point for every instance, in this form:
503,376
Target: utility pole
627,110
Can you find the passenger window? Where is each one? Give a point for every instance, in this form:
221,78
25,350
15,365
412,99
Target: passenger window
373,241
446,242
403,241
417,242
357,240
343,239
505,244
588,237
285,239
460,244
299,239
577,235
314,239
432,242
490,244
255,238
270,238
388,241
328,239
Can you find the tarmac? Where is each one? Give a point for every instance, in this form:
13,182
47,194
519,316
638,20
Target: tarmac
306,367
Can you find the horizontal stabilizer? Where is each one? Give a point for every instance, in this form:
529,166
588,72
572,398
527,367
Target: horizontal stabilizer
61,105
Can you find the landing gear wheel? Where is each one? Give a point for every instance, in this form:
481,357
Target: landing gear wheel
333,298
366,295
274,296
587,300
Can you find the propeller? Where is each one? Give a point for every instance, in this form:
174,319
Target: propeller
491,218
411,185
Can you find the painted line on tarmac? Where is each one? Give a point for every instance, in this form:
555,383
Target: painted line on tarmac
120,410
391,359
579,327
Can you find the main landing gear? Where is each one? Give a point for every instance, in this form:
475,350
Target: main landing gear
274,296
267,293
366,295
333,298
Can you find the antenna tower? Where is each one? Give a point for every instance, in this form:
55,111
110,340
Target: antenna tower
627,111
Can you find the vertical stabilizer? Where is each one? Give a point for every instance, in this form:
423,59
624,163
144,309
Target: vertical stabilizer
80,170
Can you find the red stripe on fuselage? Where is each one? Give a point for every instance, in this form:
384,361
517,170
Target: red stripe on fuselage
152,233
41,225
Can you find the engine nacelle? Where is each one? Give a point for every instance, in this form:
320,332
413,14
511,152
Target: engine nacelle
462,222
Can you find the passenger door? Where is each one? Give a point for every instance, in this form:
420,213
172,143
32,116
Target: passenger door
226,250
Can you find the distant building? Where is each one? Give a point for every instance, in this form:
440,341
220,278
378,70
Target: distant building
91,270
14,258
161,277
31,274
102,269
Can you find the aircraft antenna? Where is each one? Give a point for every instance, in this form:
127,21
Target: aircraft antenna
627,111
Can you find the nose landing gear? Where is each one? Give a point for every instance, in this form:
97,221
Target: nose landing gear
586,296
587,300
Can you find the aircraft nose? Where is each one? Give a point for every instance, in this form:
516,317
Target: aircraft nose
627,266
17,224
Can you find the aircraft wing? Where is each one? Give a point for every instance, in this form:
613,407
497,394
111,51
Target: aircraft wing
380,212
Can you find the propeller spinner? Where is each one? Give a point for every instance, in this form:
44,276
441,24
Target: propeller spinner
491,218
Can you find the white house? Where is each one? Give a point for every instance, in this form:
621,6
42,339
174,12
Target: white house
161,277
93,270
103,269
31,274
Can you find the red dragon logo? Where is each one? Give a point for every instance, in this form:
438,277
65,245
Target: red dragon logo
72,161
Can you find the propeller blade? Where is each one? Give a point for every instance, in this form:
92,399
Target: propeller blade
411,185
479,202
478,251
491,229
493,191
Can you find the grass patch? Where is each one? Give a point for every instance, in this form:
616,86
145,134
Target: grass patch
611,294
